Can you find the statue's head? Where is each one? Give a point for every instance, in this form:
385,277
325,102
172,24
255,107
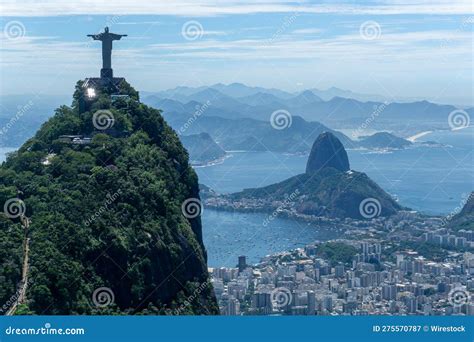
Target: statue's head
106,29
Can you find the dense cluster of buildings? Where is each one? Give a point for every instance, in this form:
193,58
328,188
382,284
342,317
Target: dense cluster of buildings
407,264
443,237
302,283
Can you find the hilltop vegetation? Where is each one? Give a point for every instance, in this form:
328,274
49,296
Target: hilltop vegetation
105,214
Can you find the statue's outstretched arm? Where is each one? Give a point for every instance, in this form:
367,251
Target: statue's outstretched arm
94,36
118,36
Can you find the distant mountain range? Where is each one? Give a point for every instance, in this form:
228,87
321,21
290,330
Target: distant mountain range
22,115
255,135
237,90
334,107
237,116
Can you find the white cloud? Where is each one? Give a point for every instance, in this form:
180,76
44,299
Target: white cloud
308,31
196,8
391,44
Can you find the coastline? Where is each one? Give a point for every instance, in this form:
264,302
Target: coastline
413,138
213,162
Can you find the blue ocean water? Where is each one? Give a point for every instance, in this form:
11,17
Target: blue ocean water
228,235
427,179
433,180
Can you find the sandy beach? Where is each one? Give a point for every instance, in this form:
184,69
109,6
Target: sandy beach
418,135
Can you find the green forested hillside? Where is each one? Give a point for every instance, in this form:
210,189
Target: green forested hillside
105,214
329,192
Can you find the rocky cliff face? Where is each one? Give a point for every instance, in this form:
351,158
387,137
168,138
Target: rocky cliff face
114,210
327,151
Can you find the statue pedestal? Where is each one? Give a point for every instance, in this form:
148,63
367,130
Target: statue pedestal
97,84
106,73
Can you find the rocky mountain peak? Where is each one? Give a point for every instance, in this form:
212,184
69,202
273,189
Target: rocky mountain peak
327,151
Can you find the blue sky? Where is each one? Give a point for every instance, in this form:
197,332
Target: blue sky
420,49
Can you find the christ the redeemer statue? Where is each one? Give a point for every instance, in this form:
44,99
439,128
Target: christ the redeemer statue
106,38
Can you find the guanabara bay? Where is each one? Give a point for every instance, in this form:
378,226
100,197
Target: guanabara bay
95,213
